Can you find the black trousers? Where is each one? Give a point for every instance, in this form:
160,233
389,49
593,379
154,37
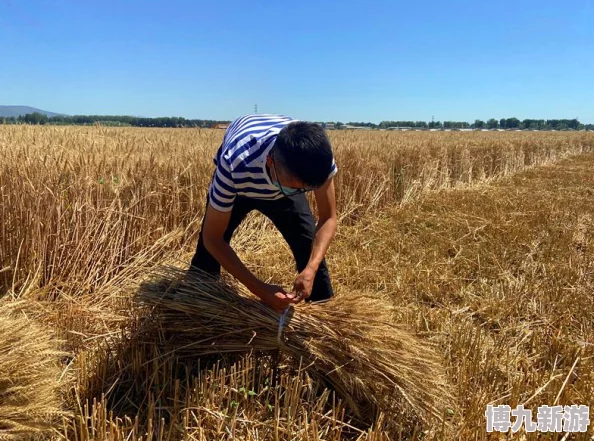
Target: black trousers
292,216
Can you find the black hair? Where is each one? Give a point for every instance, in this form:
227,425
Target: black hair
304,150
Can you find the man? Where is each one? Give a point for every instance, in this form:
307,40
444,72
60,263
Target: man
267,163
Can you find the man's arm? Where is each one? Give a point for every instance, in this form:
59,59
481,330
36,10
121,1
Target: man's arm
215,225
325,231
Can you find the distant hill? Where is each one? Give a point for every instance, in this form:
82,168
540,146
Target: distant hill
8,111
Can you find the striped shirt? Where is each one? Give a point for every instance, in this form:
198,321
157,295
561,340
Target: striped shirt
241,161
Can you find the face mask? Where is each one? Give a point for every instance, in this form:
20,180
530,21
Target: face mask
287,191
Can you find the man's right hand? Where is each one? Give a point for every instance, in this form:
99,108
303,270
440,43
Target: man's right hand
274,296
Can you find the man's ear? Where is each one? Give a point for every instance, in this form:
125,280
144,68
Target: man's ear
268,161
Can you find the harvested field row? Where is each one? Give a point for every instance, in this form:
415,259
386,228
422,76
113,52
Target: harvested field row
502,276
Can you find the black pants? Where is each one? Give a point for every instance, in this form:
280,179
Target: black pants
292,216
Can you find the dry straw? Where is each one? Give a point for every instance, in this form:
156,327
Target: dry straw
30,405
348,344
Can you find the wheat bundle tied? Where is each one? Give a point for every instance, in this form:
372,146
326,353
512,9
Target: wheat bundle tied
348,342
30,403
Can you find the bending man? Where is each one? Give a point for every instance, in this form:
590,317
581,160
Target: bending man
268,163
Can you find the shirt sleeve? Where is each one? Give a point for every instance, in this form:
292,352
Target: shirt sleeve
334,169
222,192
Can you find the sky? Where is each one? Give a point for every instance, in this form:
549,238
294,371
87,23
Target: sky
317,60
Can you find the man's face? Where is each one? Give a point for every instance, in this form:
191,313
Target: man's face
283,178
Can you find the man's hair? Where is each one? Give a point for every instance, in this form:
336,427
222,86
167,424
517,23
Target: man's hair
304,150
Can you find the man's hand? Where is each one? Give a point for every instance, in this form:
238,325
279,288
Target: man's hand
274,296
303,285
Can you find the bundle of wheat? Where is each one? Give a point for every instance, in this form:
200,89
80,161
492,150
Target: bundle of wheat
347,343
30,404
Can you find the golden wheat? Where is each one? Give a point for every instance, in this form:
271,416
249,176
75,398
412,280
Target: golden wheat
30,376
496,275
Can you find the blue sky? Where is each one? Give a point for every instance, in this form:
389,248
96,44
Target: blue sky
318,60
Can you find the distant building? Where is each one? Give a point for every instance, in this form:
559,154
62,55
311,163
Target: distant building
350,127
401,128
330,126
220,126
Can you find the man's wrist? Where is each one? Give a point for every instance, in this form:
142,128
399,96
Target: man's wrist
311,268
254,286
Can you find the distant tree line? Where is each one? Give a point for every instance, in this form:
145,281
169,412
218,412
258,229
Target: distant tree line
503,123
134,121
426,125
109,120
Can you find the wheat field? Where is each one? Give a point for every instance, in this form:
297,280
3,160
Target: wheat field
481,243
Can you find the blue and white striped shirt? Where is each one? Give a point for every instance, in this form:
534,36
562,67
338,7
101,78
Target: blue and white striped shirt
241,161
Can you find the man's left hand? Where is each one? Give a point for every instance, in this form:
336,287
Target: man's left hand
303,285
